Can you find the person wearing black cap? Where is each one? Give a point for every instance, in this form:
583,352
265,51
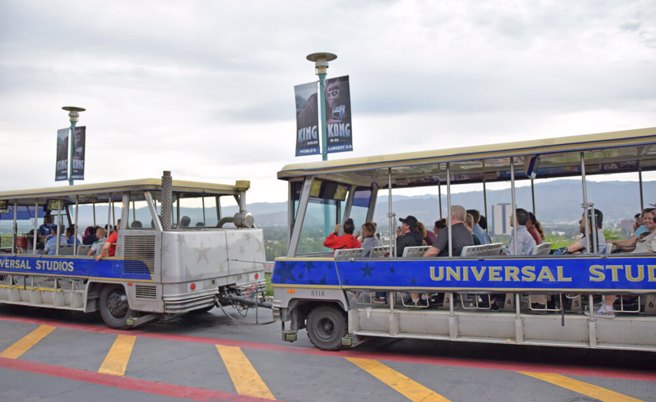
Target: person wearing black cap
407,235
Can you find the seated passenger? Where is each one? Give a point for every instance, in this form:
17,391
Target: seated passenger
109,248
369,238
70,236
439,225
596,235
89,235
460,234
347,240
136,225
647,243
640,229
46,229
521,241
185,221
97,246
534,228
597,242
428,235
407,235
50,247
481,235
469,223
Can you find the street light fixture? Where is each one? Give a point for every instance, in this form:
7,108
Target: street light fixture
321,60
73,115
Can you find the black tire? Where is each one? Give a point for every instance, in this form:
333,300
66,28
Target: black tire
114,307
326,326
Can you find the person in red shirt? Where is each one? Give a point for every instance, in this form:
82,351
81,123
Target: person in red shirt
109,248
347,240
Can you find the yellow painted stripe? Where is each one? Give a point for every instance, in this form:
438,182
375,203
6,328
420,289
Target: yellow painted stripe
399,382
118,356
242,373
25,343
583,388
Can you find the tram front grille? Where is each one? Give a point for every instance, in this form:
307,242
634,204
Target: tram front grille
139,248
146,292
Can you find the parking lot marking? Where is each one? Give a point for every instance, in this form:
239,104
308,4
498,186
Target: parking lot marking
126,383
243,374
25,343
397,381
118,356
583,388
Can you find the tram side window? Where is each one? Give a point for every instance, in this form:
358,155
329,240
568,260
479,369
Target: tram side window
325,205
139,217
193,211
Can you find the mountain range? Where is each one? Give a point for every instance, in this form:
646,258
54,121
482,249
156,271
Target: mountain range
557,201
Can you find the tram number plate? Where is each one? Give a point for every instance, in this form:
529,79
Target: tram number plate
316,293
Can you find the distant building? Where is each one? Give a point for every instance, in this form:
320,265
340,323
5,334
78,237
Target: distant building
501,219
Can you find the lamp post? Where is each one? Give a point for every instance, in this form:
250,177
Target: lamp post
321,60
73,114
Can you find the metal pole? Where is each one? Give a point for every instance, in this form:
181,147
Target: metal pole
513,206
390,215
439,198
586,207
70,153
448,210
327,227
533,195
642,201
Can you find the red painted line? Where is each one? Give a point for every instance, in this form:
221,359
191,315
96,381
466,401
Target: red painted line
127,383
440,361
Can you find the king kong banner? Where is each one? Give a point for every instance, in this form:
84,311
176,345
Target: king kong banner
61,167
338,115
307,119
79,141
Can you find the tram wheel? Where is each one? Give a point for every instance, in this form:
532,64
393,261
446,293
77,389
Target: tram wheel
326,326
114,308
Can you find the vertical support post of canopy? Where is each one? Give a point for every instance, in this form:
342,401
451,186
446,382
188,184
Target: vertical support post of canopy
390,215
642,199
439,198
586,206
533,195
77,214
35,239
14,230
513,204
448,211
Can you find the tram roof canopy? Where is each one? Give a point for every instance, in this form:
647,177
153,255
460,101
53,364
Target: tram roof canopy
115,188
604,153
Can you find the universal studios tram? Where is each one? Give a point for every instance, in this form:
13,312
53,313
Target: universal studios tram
333,296
176,252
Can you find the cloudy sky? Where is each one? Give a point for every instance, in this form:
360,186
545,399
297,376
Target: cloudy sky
205,88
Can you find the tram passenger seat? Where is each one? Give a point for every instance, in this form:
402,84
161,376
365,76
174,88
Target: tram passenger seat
480,301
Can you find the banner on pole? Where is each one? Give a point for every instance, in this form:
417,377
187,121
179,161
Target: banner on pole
79,142
307,119
338,115
61,167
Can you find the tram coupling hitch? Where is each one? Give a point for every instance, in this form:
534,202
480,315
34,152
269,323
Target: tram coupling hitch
246,301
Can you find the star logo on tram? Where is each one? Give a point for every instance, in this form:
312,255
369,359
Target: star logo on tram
366,271
202,253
